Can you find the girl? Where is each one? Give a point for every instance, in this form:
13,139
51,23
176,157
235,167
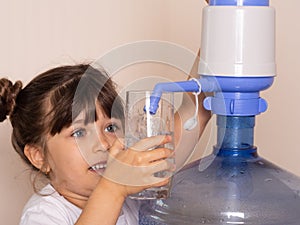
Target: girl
53,119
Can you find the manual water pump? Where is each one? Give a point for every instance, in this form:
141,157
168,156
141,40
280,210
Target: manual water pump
233,185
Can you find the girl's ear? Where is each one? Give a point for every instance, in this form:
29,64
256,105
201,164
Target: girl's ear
35,155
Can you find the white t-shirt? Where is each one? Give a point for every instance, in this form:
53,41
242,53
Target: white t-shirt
50,208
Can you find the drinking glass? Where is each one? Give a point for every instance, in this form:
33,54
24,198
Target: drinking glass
140,124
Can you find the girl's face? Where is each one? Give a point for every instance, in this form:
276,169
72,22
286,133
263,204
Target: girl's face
78,154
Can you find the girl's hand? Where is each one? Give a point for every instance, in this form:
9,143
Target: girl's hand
132,170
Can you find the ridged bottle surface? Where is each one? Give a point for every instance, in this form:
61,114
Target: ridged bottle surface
231,186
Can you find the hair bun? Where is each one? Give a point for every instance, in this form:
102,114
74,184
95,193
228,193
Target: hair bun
8,96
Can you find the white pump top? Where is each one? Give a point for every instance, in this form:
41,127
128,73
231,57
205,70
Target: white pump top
251,54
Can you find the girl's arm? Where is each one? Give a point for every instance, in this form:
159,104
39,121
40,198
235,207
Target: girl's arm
105,203
186,140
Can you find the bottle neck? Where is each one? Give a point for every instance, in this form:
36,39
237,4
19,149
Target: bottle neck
235,136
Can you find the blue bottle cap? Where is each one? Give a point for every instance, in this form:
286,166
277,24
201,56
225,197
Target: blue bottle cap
239,2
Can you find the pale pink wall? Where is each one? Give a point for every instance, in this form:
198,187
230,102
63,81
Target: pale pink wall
37,35
277,132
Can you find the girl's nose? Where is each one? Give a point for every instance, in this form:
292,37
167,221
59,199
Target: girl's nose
103,144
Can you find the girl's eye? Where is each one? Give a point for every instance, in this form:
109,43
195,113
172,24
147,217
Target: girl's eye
111,128
79,133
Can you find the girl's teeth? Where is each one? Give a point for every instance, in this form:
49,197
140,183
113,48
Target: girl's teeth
99,166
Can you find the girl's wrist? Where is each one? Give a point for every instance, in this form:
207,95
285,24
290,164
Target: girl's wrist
117,191
104,204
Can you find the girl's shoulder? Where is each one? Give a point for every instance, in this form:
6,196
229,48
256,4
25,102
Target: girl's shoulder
50,207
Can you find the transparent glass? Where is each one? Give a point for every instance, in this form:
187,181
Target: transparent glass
140,124
231,186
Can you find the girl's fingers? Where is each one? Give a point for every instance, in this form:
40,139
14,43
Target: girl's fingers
126,174
157,154
139,154
151,142
162,169
117,147
141,167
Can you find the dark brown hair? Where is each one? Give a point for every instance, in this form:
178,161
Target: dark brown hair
53,99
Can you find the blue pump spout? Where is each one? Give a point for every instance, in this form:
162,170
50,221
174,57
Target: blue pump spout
208,84
233,96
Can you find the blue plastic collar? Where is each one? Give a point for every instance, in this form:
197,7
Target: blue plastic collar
239,2
239,96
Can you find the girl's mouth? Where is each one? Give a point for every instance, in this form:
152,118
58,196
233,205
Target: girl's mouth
98,167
